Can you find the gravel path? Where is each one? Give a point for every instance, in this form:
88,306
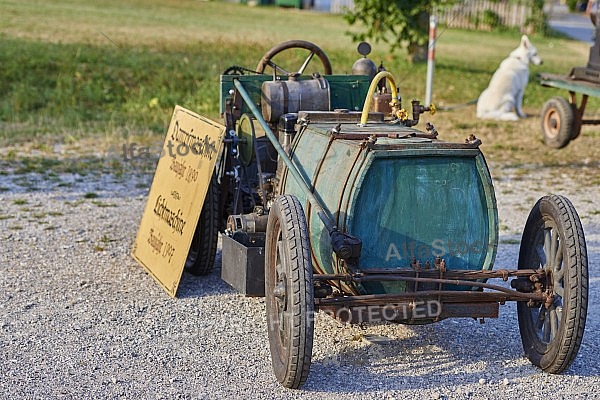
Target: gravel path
80,319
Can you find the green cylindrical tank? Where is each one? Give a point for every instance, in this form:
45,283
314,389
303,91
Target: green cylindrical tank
409,199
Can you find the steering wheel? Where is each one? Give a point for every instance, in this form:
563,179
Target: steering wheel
266,60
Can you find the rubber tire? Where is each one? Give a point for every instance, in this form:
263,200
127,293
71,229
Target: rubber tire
201,256
287,241
557,213
293,44
557,122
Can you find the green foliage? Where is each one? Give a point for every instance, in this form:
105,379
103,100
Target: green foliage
491,19
402,24
572,5
538,20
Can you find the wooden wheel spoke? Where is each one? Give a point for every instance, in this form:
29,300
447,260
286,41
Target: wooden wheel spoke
554,247
559,290
281,316
547,246
553,323
546,331
279,267
541,317
539,249
558,311
559,270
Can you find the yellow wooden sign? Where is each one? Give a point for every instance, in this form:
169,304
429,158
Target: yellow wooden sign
180,183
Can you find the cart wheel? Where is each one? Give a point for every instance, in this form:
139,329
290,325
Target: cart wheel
553,239
201,256
558,118
289,292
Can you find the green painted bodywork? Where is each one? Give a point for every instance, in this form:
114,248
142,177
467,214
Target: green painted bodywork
572,85
404,198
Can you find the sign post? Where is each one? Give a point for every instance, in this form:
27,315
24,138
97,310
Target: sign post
175,201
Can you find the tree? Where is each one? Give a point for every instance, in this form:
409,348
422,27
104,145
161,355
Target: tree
403,24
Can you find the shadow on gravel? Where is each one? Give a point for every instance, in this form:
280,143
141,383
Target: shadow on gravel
454,351
457,351
192,286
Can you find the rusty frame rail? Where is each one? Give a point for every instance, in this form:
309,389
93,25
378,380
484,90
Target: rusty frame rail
429,305
435,276
450,296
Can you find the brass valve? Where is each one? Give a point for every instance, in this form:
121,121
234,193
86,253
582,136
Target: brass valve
401,114
432,109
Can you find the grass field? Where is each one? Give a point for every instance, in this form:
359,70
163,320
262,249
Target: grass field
93,73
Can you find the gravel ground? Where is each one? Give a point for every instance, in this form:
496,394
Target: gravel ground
79,318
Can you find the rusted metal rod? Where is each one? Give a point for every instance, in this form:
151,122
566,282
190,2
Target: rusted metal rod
456,282
450,296
428,273
366,135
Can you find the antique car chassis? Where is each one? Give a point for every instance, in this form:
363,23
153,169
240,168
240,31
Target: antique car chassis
267,248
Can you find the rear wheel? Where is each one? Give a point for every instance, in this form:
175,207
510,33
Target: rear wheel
558,122
553,239
201,256
289,292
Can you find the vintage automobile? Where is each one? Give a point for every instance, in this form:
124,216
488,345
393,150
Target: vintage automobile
328,198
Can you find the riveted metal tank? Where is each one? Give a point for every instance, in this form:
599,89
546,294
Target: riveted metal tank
411,200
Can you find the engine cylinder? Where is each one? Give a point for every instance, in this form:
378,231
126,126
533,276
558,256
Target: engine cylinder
291,96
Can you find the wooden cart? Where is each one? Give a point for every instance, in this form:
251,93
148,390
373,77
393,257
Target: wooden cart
561,118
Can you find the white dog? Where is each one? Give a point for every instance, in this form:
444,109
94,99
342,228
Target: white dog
503,98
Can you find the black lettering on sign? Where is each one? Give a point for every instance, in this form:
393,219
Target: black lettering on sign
188,141
178,167
155,241
172,218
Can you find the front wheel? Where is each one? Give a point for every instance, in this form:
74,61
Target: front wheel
289,292
553,240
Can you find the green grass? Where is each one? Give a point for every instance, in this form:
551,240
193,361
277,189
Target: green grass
90,73
90,195
71,68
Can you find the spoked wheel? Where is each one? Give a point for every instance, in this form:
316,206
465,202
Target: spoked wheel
313,49
558,122
289,292
201,256
553,239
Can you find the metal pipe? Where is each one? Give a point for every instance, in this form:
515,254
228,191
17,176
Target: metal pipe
457,282
401,273
450,296
383,74
327,220
430,59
